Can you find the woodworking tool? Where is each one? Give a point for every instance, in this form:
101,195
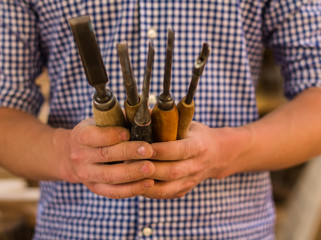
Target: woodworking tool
133,100
165,113
106,109
141,129
186,106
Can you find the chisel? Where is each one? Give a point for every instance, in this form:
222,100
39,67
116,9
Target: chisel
106,109
141,129
186,106
133,100
165,113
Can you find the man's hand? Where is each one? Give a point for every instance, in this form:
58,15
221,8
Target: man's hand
181,165
288,136
96,160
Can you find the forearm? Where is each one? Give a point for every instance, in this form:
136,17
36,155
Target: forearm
30,148
286,137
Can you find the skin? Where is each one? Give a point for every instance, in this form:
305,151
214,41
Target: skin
33,150
286,137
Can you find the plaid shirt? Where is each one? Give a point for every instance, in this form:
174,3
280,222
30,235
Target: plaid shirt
35,34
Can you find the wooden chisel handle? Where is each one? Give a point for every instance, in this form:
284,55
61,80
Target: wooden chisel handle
165,124
186,113
106,109
186,106
112,117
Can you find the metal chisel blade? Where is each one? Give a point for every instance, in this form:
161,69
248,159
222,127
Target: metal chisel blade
89,50
128,76
168,63
197,72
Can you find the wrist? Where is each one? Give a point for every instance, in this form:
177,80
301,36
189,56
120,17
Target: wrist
60,142
235,145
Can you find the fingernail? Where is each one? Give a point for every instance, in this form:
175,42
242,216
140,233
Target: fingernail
124,135
148,184
141,150
145,169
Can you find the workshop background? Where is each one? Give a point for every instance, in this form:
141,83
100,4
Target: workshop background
297,190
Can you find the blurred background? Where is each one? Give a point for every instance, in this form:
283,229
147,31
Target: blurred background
296,191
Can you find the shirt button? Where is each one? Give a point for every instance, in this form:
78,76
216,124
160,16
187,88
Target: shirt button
147,231
152,33
152,99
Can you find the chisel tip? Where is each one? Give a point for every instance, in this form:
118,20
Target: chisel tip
121,47
79,20
170,38
197,72
151,48
202,59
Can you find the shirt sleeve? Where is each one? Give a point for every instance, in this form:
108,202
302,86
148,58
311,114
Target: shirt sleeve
292,29
20,58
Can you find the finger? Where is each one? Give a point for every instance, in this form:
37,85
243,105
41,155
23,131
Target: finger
126,151
175,170
175,150
169,190
121,190
117,173
122,152
89,134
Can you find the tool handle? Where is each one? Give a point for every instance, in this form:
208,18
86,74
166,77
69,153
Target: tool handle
165,124
186,113
112,117
131,111
141,132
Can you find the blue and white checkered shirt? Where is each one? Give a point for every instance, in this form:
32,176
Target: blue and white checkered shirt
35,34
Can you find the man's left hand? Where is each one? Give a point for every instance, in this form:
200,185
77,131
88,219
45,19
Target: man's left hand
181,165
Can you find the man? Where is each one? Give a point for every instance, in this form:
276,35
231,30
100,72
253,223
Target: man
213,184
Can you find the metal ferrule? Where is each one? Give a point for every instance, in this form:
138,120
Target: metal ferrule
165,102
104,103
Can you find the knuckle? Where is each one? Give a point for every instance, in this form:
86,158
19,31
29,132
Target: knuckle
132,191
104,153
125,149
105,178
75,157
128,173
174,173
186,150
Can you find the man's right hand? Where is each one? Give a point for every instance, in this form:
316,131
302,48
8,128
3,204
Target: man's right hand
95,158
